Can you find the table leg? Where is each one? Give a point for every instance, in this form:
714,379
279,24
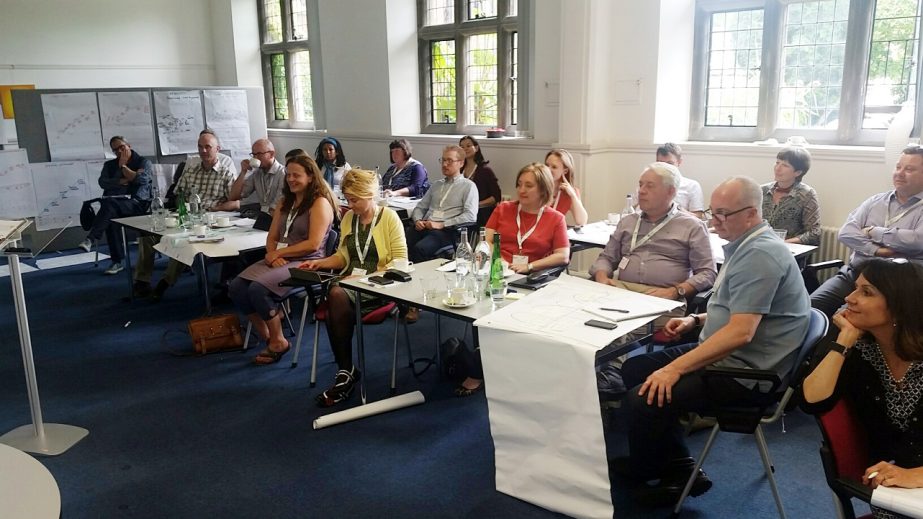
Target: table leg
128,273
360,346
203,284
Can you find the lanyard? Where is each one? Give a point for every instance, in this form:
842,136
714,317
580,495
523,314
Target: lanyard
890,221
519,237
445,192
394,173
724,268
368,240
647,237
292,214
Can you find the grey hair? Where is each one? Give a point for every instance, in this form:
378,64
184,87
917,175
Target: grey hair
751,194
668,173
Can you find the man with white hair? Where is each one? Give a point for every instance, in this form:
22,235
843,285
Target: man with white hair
757,317
663,252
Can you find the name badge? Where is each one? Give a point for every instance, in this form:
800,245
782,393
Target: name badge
358,272
519,259
624,263
439,214
280,245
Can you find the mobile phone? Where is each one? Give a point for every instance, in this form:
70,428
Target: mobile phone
379,280
606,325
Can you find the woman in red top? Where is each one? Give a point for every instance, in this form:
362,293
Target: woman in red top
565,198
533,235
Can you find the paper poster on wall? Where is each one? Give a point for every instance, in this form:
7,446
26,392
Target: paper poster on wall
72,126
226,112
17,198
128,114
60,189
179,120
94,168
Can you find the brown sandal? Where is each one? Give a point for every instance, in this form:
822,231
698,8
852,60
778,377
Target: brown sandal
268,356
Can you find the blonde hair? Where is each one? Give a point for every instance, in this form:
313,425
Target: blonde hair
543,178
567,159
360,183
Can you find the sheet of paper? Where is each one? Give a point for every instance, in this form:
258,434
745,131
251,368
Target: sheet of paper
179,120
128,114
60,189
597,233
907,501
560,308
226,112
17,197
163,177
94,168
72,126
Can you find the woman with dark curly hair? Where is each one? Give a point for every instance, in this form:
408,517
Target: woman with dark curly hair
876,364
300,228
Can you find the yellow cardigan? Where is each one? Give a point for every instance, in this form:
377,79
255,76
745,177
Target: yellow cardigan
388,236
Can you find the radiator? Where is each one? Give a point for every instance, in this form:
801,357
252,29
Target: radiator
830,249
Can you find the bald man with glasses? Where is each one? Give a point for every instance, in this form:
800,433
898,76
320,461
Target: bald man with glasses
259,184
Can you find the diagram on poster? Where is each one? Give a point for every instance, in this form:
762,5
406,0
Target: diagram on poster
226,113
17,198
60,189
72,126
128,114
179,120
94,168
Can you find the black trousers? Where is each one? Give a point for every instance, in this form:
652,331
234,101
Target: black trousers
655,436
114,208
422,245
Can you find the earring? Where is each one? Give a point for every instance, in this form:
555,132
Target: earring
894,324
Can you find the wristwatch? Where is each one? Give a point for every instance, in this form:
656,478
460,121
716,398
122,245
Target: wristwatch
839,348
680,291
696,320
529,266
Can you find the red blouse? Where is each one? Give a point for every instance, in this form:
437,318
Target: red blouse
550,235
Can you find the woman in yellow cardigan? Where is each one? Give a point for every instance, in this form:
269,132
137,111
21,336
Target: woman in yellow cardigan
372,237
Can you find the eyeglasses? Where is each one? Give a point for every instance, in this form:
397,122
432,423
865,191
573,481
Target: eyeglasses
722,217
257,154
119,148
444,160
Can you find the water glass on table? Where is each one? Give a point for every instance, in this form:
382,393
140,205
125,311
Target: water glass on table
433,289
782,233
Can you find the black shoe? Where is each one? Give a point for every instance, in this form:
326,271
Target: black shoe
342,387
141,289
668,490
161,287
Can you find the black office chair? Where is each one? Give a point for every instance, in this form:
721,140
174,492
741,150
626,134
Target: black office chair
750,419
809,273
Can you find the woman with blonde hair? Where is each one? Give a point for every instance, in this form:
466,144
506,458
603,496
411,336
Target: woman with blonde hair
566,197
300,228
371,238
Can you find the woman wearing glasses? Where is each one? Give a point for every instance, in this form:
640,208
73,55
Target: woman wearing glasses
406,176
373,237
788,203
876,364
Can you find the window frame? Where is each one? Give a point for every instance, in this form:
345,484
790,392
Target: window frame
287,47
855,77
459,31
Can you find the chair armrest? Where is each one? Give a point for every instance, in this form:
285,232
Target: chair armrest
699,302
746,374
823,265
854,489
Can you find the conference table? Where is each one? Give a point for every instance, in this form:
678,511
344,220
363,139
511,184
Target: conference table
179,244
27,489
540,382
596,234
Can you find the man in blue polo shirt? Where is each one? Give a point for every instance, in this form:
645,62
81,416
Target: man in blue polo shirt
757,318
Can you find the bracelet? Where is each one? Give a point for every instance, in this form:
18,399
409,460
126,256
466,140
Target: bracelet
529,267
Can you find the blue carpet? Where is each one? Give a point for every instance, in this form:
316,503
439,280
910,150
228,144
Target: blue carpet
215,437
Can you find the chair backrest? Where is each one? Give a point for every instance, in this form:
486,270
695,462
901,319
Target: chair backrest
817,329
846,442
333,241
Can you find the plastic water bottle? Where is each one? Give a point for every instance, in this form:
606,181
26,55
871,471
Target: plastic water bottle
629,206
158,212
195,206
482,263
463,255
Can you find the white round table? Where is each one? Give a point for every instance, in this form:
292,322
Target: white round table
27,489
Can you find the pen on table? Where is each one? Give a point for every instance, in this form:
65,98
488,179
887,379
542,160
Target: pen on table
615,310
648,314
601,316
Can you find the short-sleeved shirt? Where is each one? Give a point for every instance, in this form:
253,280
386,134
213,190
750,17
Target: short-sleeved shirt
761,277
213,184
563,202
549,235
264,187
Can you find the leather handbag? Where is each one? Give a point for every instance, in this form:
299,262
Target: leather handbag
216,333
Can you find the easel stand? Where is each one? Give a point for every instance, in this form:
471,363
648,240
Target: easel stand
38,438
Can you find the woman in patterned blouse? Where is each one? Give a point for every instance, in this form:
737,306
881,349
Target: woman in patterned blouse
789,203
877,365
